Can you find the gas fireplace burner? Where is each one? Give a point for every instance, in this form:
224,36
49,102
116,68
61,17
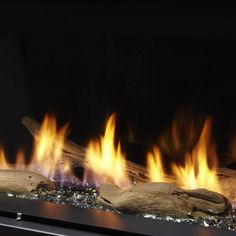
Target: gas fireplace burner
146,88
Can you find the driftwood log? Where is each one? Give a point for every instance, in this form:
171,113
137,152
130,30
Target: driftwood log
24,182
163,199
137,173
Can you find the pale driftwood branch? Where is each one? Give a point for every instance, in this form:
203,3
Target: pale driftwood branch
227,181
70,147
163,199
137,173
24,182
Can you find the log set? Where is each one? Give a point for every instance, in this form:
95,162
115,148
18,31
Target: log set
24,182
163,199
138,174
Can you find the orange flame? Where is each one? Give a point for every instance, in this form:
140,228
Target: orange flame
107,162
196,172
47,153
49,147
20,160
3,161
155,165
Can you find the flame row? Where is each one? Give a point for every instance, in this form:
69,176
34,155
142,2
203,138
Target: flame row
195,173
107,163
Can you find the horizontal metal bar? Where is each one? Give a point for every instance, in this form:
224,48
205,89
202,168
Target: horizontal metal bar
99,221
10,226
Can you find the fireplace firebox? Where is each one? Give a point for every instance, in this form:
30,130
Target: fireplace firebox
161,76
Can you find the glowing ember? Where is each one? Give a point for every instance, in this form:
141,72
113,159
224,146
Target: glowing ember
105,161
196,172
155,166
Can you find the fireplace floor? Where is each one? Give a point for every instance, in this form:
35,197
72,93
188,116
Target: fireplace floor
85,198
20,216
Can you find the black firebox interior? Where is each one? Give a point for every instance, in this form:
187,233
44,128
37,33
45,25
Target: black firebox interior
82,60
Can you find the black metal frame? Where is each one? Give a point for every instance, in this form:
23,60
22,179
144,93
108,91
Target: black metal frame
31,217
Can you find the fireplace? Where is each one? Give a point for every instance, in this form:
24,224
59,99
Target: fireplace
117,118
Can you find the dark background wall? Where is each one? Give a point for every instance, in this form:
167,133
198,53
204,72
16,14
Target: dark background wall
144,60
